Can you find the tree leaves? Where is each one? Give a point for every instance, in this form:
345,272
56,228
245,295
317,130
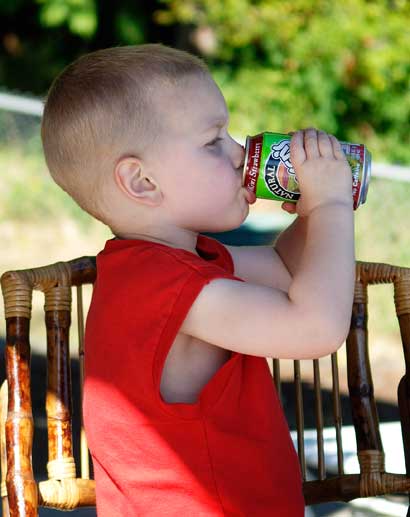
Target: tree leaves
79,15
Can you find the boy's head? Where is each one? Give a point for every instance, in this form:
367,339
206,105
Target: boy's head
122,126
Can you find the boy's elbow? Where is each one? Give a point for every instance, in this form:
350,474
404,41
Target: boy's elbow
328,336
337,334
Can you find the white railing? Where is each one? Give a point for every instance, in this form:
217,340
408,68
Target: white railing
21,104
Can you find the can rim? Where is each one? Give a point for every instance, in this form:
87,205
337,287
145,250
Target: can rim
246,158
367,173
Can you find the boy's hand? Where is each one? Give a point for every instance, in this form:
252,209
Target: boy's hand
322,170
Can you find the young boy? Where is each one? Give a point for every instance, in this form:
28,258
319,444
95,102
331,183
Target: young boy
180,410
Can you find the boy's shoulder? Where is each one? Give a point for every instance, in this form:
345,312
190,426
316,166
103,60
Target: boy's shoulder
141,255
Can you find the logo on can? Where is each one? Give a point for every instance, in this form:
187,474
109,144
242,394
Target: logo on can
279,174
269,173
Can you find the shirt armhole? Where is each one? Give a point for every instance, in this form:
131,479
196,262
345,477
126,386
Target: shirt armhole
183,302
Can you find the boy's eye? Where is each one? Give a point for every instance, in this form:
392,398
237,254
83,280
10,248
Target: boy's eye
214,141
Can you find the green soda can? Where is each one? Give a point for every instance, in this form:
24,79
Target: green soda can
268,171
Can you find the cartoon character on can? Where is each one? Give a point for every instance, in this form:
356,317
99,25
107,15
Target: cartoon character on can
279,174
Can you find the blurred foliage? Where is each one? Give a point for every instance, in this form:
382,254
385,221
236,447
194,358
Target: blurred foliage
79,15
282,65
341,66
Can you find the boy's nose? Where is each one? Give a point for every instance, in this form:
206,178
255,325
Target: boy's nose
239,157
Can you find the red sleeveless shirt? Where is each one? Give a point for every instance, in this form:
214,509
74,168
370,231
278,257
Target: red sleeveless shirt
229,453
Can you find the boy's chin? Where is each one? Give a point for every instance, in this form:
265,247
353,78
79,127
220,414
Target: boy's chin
229,224
218,228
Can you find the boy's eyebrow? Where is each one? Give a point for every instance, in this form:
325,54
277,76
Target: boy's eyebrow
219,121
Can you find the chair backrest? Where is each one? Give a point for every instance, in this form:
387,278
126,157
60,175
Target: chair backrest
64,490
373,479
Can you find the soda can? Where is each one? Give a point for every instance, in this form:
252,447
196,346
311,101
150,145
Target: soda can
268,171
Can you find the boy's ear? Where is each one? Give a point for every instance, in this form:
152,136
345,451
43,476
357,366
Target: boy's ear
130,178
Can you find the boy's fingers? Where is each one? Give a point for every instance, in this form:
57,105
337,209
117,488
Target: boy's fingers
337,148
297,151
325,145
311,143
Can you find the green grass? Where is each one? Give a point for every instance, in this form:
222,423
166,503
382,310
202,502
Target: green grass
382,223
382,235
29,193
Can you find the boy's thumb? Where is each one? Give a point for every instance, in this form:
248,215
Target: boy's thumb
289,207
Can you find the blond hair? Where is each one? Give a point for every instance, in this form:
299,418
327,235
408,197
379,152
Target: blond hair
101,107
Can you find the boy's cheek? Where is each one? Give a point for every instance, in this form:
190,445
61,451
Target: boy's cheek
226,171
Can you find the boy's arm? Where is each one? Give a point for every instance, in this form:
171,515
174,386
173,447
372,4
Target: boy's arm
260,265
291,242
275,265
272,266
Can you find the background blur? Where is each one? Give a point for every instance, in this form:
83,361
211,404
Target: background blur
342,66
